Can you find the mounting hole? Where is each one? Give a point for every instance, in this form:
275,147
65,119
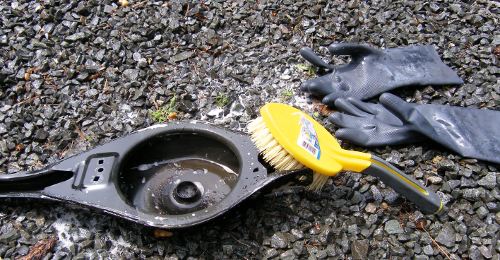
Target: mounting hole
255,169
101,161
100,169
187,192
96,178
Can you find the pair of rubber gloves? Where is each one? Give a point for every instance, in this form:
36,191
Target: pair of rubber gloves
470,132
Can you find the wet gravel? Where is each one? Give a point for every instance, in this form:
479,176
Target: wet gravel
75,74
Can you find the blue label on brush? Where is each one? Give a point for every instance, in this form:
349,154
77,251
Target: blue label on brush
308,139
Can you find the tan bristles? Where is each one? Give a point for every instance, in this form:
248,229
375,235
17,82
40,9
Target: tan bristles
274,154
319,180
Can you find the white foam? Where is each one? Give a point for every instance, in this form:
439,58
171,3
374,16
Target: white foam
118,244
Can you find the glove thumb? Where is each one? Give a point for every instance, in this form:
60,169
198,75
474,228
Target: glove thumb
309,55
351,49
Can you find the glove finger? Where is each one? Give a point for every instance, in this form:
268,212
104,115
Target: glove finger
354,136
396,105
375,137
309,55
396,136
352,49
320,86
348,121
346,106
336,93
363,106
381,113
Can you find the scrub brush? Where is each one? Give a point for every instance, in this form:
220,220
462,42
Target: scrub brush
289,139
274,154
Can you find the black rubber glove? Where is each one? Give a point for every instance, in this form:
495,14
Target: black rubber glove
470,132
372,72
369,124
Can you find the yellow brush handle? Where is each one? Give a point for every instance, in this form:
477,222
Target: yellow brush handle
349,160
425,199
428,201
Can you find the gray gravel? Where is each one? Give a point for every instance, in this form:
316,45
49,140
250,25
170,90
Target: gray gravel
75,74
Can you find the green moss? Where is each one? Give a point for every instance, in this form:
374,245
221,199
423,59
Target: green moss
221,100
287,94
308,69
89,138
160,115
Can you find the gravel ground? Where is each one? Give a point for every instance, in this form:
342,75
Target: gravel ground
77,74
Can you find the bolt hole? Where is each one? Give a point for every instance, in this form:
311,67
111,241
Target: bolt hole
255,169
96,178
101,161
100,169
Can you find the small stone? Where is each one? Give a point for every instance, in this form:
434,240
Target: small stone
435,179
489,181
3,129
485,252
270,253
428,250
390,195
434,7
446,236
393,227
298,247
482,212
474,252
446,165
131,74
9,236
215,112
182,56
236,109
359,249
83,76
404,237
397,250
4,40
87,122
457,8
76,37
472,194
86,244
321,254
453,184
468,183
288,255
227,249
377,195
5,108
364,188
23,250
82,9
353,229
136,56
3,146
279,240
370,208
356,198
108,9
298,234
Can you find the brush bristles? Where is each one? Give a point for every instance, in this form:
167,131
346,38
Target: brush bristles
319,180
274,154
